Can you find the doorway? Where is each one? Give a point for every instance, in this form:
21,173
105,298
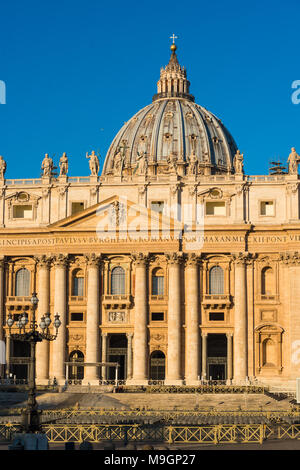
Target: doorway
117,352
20,359
217,356
157,365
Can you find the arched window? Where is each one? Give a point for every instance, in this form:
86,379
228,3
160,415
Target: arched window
157,365
78,283
267,281
22,282
118,281
216,280
158,282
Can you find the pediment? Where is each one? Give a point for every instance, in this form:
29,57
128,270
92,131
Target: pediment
118,215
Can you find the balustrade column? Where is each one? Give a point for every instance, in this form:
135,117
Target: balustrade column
240,320
92,320
192,321
43,293
140,353
174,376
60,307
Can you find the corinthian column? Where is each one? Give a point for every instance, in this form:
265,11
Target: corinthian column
240,319
174,321
192,321
43,292
60,307
92,322
140,353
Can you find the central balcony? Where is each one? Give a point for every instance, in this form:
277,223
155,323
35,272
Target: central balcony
216,301
121,301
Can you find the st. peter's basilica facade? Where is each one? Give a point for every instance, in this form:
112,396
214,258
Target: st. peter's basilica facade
173,263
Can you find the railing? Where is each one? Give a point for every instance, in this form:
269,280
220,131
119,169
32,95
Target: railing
38,181
15,381
220,433
96,433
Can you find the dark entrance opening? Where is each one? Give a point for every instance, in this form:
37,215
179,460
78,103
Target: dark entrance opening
157,365
20,359
76,372
217,356
117,352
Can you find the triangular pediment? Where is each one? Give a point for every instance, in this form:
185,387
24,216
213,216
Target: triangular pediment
118,216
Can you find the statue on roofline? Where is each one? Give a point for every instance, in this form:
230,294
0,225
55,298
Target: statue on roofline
238,163
293,161
47,165
2,167
63,165
93,163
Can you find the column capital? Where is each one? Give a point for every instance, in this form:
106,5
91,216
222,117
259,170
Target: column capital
129,335
60,260
241,259
2,262
104,335
174,258
191,259
140,259
43,261
290,257
92,259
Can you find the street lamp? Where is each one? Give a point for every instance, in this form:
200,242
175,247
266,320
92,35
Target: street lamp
31,415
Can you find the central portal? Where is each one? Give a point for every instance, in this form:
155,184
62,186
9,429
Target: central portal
117,352
217,356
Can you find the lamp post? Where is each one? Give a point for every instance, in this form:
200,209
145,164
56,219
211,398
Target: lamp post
31,415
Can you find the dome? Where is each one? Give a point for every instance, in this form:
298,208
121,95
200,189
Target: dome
172,134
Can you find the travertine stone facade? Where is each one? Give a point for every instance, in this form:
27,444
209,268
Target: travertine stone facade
134,274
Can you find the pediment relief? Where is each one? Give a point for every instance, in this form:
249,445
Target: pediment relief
22,197
120,216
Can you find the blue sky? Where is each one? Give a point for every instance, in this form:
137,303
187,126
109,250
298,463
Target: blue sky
75,71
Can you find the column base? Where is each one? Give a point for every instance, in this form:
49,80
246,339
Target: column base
240,381
173,382
60,381
42,381
90,382
194,382
137,381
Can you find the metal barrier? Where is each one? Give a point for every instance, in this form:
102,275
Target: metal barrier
215,434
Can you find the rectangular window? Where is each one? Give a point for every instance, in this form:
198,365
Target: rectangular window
267,208
215,208
157,316
77,207
22,212
216,316
76,316
157,206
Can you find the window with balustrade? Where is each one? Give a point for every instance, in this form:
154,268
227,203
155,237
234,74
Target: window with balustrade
78,283
158,281
216,280
118,281
22,283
